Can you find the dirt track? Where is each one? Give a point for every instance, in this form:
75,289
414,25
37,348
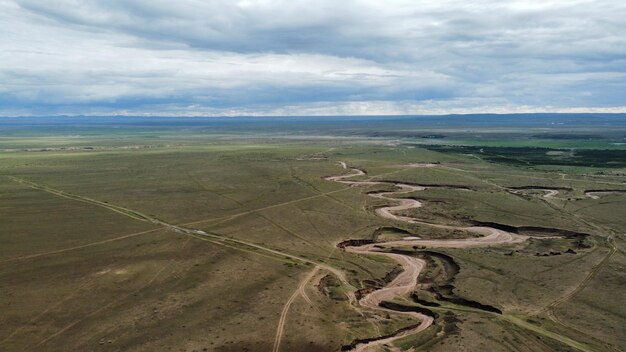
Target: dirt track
402,285
283,315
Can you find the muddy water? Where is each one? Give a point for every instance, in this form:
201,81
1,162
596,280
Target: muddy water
405,283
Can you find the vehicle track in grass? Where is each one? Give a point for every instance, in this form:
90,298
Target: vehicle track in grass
397,288
283,315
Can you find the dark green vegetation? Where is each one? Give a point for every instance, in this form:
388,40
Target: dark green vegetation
89,259
531,156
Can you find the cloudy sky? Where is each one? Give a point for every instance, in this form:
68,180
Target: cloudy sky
294,57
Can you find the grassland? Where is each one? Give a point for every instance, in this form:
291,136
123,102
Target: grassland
144,240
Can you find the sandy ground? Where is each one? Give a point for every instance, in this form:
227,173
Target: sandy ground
598,194
550,193
402,285
593,195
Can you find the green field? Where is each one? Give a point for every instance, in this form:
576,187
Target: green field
145,240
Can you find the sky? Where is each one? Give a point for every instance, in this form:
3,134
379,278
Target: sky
295,57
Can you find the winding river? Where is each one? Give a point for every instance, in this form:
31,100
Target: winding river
407,280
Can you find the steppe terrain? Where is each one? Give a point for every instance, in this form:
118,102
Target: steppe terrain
313,236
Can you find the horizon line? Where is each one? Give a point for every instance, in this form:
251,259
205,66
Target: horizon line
321,116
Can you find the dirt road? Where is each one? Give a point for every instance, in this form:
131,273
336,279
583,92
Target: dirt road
402,285
283,315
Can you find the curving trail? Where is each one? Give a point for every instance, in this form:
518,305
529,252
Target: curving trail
402,285
405,283
283,314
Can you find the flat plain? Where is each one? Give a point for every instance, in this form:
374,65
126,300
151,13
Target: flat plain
205,235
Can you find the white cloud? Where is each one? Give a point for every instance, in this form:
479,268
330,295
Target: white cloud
357,56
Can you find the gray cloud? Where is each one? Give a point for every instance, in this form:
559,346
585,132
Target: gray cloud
70,56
